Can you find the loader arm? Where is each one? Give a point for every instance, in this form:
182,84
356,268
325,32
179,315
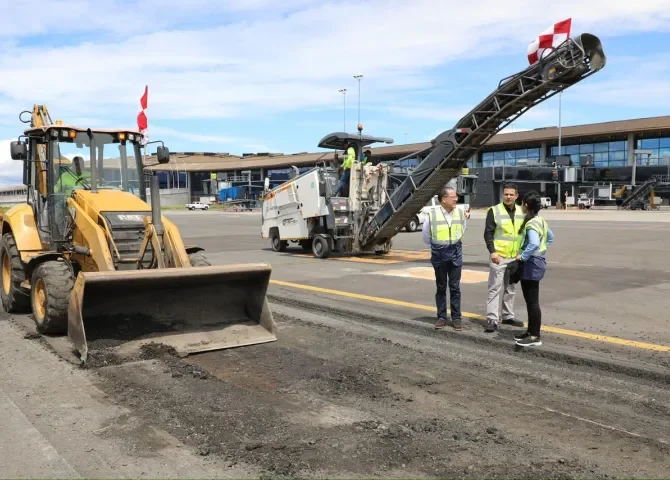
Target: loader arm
40,118
571,62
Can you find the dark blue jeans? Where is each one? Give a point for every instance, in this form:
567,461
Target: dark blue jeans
447,274
343,185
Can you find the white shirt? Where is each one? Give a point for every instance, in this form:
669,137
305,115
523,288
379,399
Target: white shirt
425,231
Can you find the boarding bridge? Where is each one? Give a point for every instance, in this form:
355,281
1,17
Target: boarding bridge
571,62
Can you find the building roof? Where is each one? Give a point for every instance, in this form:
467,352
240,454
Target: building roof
201,163
210,162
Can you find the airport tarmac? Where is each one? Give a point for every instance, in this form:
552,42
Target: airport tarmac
359,384
605,289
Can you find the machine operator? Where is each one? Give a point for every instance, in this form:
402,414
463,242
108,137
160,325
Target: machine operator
348,161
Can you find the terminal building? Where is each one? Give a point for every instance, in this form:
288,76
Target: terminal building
598,160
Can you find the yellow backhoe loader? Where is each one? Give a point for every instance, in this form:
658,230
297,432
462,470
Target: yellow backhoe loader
89,256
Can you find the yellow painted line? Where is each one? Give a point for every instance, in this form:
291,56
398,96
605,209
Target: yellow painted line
475,316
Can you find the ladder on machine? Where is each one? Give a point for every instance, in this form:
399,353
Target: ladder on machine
574,60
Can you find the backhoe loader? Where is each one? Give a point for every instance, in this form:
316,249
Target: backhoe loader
89,256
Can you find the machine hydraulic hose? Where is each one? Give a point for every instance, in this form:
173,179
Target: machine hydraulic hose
571,62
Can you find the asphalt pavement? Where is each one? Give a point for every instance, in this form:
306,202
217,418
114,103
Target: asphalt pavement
605,289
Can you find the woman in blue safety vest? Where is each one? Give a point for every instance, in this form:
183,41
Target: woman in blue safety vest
536,238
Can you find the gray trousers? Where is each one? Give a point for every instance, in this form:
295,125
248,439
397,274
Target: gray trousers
500,292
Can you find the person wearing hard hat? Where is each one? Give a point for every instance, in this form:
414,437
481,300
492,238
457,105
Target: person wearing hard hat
349,157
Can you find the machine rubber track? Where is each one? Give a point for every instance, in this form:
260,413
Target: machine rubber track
570,63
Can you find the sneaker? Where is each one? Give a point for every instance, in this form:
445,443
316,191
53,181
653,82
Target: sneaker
513,321
529,341
521,336
457,325
441,322
491,328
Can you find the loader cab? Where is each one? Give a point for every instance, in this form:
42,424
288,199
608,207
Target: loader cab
61,160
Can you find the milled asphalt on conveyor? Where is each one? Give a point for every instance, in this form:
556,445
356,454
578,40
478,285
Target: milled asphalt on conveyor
606,285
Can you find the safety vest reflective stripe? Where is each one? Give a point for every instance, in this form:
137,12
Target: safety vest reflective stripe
506,237
540,226
441,232
349,158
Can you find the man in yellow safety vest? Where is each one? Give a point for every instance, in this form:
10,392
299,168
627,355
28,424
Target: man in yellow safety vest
349,157
503,241
443,230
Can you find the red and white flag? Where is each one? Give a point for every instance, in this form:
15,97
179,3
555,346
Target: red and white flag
551,38
142,121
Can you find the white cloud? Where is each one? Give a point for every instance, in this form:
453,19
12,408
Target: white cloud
267,62
11,171
193,137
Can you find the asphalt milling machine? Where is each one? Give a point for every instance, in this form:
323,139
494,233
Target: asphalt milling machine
90,258
304,208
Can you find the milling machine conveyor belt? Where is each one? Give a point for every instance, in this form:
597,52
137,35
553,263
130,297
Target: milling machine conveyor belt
571,62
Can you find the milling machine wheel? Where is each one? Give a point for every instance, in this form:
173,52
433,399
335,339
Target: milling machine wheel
278,245
198,260
51,285
15,298
321,246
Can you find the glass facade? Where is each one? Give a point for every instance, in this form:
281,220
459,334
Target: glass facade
604,154
660,148
512,158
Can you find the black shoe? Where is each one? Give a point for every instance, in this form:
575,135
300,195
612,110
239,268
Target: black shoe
513,321
521,336
529,341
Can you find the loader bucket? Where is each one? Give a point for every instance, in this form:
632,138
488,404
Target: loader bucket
192,309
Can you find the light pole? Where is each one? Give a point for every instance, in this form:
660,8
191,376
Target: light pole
343,91
405,138
359,77
560,97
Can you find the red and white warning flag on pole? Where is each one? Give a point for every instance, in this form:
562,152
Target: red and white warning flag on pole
142,121
551,38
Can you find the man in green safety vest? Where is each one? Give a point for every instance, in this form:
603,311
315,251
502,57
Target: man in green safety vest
69,179
503,241
443,230
367,158
349,158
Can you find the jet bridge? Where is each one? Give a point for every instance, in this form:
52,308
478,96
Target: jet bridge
570,63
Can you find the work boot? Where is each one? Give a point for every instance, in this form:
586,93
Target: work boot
491,327
513,321
457,325
441,322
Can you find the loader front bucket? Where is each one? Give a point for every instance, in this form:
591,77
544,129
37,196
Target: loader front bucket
193,309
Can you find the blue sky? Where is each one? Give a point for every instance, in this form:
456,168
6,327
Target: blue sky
259,75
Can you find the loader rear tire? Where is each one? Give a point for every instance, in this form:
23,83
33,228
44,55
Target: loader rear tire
198,260
51,283
15,298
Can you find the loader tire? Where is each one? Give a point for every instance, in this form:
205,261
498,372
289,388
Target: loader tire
51,283
15,298
198,260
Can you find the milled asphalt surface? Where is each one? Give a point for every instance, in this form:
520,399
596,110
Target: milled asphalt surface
359,384
608,276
